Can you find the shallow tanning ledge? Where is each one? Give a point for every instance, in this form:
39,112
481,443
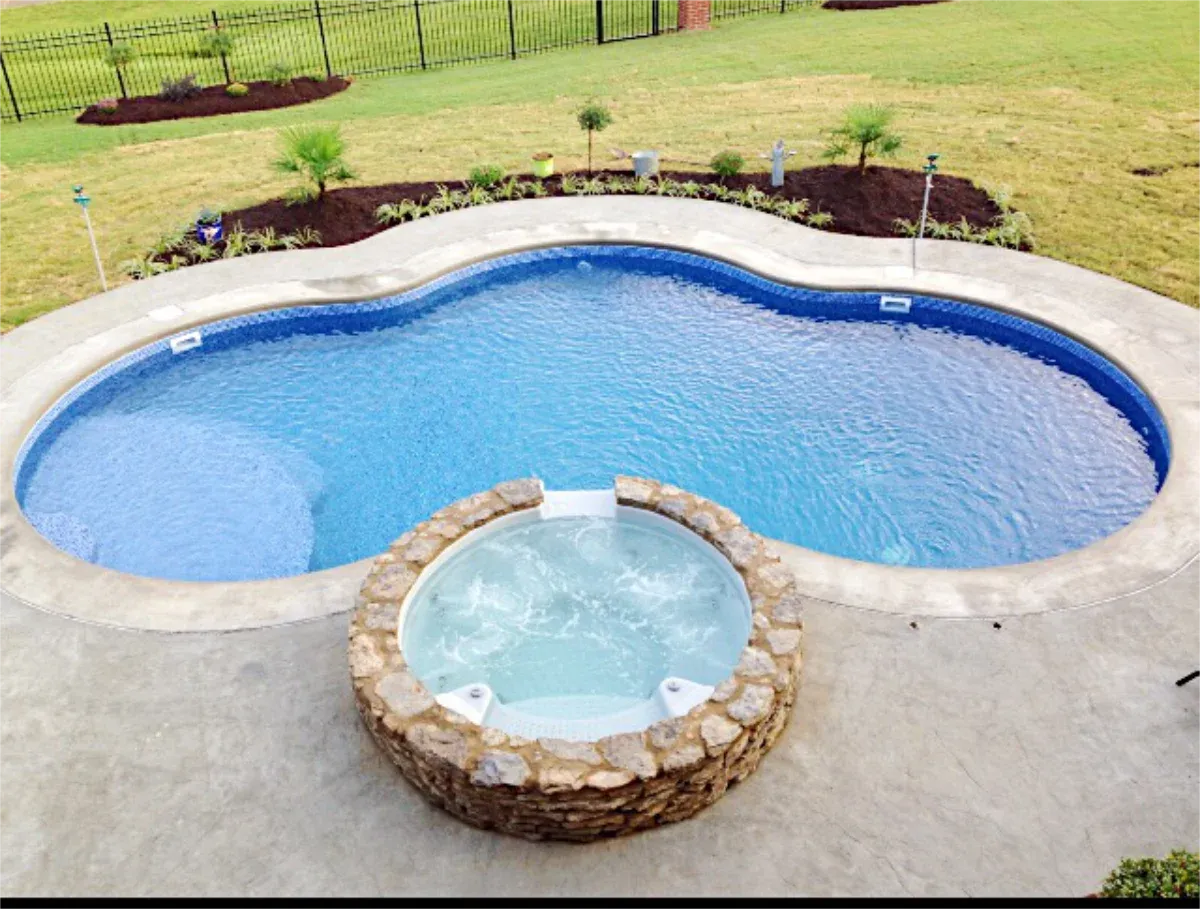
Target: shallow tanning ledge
576,665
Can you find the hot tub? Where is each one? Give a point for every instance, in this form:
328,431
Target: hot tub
572,665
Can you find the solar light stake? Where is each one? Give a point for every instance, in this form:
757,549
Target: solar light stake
930,169
82,201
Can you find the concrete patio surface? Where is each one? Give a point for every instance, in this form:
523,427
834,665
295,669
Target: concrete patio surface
1012,731
948,759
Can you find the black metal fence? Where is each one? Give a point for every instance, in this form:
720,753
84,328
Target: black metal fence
66,71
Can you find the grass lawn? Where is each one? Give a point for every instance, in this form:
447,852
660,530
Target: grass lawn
1058,100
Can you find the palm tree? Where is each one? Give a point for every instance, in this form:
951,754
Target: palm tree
865,126
316,154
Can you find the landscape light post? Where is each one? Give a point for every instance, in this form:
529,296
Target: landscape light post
82,201
930,169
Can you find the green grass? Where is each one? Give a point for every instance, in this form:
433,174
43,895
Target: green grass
362,38
1058,100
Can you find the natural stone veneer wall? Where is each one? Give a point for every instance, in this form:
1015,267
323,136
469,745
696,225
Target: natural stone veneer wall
555,789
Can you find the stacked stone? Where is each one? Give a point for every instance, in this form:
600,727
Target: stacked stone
578,791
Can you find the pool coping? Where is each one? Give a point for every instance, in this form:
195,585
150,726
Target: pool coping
1154,339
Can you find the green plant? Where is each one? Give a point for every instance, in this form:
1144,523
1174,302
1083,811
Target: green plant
107,105
307,236
444,199
144,267
216,43
262,240
476,195
485,175
209,216
819,219
727,164
398,212
279,74
791,209
199,252
593,118
315,153
571,184
180,89
865,126
1177,875
237,243
237,89
120,55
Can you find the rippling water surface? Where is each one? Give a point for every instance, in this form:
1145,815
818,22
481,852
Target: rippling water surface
875,440
592,609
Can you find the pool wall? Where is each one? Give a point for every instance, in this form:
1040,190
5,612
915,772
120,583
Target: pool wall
569,789
1153,339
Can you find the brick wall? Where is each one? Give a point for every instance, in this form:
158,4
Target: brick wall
693,15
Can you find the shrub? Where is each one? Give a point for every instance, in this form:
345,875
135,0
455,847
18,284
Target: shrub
179,89
594,118
106,105
120,55
727,164
316,154
486,175
1175,876
216,43
279,74
865,126
237,90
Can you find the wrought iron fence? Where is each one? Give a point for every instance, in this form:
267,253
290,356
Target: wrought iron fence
66,71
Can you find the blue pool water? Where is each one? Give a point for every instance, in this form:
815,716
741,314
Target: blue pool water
949,436
577,616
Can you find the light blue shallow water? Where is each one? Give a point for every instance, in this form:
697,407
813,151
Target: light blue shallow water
577,615
308,442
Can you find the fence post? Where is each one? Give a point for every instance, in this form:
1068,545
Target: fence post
512,31
599,21
783,6
324,46
8,84
224,62
420,34
120,78
654,17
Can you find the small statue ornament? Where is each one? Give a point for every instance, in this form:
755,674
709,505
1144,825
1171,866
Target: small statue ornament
778,155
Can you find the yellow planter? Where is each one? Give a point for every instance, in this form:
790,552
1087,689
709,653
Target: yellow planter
543,167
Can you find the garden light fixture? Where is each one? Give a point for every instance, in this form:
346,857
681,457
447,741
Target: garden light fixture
82,201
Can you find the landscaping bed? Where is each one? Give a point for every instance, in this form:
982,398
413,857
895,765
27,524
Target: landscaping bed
866,204
214,100
849,5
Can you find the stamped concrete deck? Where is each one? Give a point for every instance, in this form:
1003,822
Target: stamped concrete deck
949,758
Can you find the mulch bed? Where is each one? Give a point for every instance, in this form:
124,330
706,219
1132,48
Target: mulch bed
848,5
213,101
863,204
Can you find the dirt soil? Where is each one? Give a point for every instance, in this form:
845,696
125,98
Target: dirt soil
865,204
213,101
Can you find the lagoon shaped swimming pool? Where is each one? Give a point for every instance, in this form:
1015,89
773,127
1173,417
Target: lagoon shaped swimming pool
925,433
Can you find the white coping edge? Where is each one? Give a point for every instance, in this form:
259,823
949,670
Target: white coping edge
1154,339
486,709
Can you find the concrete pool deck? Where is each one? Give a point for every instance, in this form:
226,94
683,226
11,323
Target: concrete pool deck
950,759
954,757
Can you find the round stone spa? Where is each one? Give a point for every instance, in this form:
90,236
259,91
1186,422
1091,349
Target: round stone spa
576,620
